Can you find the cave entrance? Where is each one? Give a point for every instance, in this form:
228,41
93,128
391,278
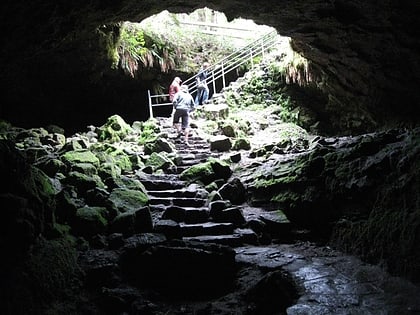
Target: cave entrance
168,45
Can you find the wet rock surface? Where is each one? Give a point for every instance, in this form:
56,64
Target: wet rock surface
289,275
330,282
154,243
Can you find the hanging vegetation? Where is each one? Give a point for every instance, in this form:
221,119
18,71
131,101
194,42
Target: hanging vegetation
172,45
138,50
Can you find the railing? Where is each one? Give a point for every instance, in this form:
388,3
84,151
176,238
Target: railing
219,70
219,30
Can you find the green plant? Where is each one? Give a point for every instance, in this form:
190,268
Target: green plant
139,48
131,49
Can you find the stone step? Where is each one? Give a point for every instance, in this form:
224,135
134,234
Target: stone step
201,156
182,202
240,237
162,184
189,215
208,228
159,208
191,162
172,193
196,146
181,168
160,176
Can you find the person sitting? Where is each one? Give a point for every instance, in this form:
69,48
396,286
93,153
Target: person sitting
202,88
183,104
174,88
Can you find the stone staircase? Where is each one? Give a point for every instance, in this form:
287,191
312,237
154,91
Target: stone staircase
181,210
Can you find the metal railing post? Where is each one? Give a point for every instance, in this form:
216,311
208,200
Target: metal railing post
223,75
262,50
213,81
150,104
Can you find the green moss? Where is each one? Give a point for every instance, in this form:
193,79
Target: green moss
207,172
114,130
92,214
109,170
83,182
120,158
284,180
85,168
151,124
281,216
82,156
130,183
90,221
159,161
128,199
197,172
286,197
242,144
149,131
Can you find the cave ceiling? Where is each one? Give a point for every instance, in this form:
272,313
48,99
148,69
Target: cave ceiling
365,54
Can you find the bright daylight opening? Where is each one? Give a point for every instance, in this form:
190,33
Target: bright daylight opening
179,44
253,72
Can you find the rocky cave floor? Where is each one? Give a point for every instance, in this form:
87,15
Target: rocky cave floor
295,273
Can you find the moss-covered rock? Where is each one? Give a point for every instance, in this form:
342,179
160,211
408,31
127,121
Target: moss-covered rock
129,183
149,131
159,145
119,158
27,200
109,170
159,161
129,223
85,168
82,181
90,221
126,200
241,144
80,156
207,172
75,144
114,130
52,166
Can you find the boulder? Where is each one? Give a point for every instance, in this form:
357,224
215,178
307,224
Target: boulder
207,172
90,221
220,143
114,130
234,191
80,156
128,200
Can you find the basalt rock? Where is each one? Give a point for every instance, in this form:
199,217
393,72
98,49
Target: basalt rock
363,55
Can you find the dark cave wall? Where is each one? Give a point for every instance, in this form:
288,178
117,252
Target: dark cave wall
54,67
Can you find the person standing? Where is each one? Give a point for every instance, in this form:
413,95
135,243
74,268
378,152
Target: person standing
183,104
202,88
174,88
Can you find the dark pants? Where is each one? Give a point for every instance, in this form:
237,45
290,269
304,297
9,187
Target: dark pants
184,115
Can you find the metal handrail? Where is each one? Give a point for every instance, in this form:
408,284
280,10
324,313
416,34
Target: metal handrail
225,65
256,43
